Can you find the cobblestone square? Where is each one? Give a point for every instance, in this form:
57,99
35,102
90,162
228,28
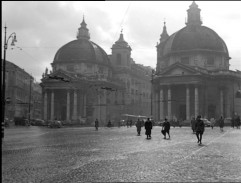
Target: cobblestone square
41,154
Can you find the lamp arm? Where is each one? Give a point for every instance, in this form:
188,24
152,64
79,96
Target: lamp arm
13,39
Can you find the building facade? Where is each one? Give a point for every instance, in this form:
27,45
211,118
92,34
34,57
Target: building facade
87,84
21,94
192,74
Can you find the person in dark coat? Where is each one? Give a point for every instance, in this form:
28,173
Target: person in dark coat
238,122
138,127
199,129
148,127
96,124
221,123
109,124
193,123
166,128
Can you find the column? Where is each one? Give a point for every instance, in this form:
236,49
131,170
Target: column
221,102
99,107
68,106
169,107
74,117
156,106
45,106
196,102
52,105
187,103
227,103
161,104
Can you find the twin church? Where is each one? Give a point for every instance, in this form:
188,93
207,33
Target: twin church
191,77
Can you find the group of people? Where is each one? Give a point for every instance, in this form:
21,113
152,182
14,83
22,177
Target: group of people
197,126
148,127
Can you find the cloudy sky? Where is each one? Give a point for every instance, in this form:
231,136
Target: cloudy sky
43,27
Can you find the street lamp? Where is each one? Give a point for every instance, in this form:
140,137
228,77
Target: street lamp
3,74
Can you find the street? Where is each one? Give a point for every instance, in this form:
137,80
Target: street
75,154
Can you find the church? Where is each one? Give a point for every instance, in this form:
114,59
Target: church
192,74
86,84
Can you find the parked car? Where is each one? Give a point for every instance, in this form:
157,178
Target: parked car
38,122
55,124
159,123
206,122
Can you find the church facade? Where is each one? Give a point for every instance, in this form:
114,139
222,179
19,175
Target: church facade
192,74
87,84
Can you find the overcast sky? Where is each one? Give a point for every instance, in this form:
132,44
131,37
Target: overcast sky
43,27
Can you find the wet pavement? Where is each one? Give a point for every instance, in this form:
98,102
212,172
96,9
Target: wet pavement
75,154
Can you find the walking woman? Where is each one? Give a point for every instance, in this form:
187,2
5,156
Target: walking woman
221,123
96,124
199,129
138,127
166,128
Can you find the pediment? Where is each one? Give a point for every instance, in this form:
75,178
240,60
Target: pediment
179,69
58,75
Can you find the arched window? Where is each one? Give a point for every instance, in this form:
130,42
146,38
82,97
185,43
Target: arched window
118,59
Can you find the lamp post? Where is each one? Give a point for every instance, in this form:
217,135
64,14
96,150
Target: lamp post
3,74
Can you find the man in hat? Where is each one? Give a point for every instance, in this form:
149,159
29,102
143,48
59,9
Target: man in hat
148,127
199,129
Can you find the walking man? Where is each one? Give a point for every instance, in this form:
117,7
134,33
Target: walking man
138,127
148,127
221,123
96,124
166,128
199,129
238,122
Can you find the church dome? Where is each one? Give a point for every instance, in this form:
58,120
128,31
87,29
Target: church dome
192,38
81,50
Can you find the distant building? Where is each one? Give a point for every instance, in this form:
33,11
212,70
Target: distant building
18,90
192,73
86,83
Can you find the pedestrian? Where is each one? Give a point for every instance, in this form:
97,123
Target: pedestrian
232,122
221,123
109,124
199,129
193,122
212,120
180,123
131,123
238,122
138,127
148,127
96,124
166,128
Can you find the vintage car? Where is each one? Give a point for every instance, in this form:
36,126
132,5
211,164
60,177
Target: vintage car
55,124
206,122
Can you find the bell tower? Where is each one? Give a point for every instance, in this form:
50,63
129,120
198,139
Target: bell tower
121,53
159,47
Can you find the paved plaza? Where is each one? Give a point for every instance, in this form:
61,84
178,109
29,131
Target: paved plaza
75,154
